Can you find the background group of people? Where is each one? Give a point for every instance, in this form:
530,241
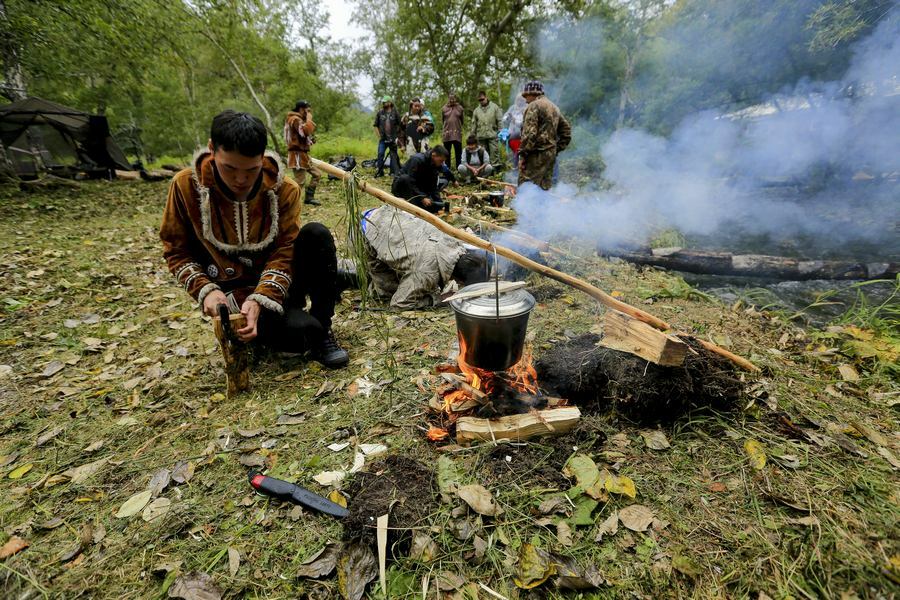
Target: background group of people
533,130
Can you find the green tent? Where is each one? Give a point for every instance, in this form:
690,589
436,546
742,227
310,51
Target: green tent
38,135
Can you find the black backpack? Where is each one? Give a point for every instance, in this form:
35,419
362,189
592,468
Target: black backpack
348,163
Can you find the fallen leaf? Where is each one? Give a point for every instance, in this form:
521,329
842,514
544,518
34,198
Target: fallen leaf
294,419
789,461
870,434
249,433
534,567
636,517
436,434
20,471
586,474
52,523
327,478
685,565
53,368
337,447
12,546
133,505
252,460
84,472
620,484
359,461
889,456
373,449
570,576
480,500
556,504
756,453
156,509
608,527
423,548
564,534
46,437
338,498
448,475
848,373
183,471
448,582
159,482
195,586
321,563
809,521
356,568
584,507
655,440
234,561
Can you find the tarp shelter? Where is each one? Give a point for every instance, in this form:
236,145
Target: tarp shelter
38,134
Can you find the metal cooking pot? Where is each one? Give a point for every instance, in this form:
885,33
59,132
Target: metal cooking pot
496,198
492,329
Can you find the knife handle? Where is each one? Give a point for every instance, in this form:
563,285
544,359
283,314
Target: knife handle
270,486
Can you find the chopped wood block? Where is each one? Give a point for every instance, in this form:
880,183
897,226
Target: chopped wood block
236,355
551,421
621,332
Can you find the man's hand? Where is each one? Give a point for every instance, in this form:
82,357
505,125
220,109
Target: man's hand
250,309
212,301
426,202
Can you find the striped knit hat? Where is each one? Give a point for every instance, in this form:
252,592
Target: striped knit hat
533,87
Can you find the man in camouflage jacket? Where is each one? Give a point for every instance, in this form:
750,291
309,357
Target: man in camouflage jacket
545,133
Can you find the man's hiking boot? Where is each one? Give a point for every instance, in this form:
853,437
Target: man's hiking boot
330,354
311,198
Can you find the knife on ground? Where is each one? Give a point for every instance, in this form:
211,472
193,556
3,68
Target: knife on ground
291,492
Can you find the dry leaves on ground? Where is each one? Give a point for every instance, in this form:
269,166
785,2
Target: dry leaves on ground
480,500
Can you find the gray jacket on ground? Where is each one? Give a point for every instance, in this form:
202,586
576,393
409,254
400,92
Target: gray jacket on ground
409,260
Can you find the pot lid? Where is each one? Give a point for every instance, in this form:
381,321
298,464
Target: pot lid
512,304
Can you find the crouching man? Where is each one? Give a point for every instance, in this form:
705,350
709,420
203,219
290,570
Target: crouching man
418,181
411,261
231,235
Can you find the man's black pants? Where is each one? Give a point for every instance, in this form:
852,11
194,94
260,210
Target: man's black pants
404,186
454,147
314,276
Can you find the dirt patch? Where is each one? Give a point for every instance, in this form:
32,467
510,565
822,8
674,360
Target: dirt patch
599,379
401,485
539,463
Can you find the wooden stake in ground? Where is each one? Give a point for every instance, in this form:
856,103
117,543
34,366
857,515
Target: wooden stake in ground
621,332
236,355
517,258
551,421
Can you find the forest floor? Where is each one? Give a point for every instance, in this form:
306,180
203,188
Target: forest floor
110,378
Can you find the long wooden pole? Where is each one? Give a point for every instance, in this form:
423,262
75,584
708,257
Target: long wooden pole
517,258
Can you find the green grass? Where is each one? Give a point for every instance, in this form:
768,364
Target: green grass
726,537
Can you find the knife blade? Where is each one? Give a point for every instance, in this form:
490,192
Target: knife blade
291,492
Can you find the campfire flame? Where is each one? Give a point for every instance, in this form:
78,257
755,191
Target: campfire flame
521,377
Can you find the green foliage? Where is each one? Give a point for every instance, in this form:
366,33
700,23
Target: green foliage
162,70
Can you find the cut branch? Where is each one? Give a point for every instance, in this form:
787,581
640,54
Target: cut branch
517,258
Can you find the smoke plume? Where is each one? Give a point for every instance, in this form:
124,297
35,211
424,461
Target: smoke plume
818,162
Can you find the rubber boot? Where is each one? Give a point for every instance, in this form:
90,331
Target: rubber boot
311,197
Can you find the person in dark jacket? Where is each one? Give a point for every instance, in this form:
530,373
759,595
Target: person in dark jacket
418,180
387,128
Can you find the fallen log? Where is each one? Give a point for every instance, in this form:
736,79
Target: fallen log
627,334
517,258
550,421
128,175
756,265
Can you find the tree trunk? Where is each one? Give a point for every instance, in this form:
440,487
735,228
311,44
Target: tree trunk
494,34
276,138
13,87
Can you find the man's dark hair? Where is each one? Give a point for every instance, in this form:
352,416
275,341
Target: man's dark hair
472,267
232,130
441,151
301,104
482,93
471,139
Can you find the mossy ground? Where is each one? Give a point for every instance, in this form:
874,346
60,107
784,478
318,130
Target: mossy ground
85,285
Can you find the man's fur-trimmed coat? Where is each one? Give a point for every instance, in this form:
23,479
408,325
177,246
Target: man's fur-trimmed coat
212,242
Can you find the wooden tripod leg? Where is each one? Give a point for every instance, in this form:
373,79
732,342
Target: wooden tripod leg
236,355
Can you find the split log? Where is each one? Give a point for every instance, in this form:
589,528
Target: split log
128,175
495,182
757,265
236,355
551,421
627,334
517,258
